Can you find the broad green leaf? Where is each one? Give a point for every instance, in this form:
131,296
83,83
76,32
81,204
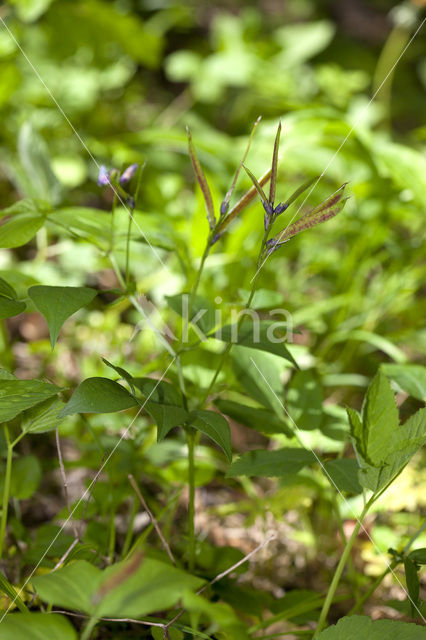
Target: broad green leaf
265,387
202,313
407,440
98,395
304,400
71,586
18,395
57,304
215,427
355,627
344,474
37,626
9,307
418,556
163,402
261,420
26,477
153,586
12,594
219,613
271,464
43,417
410,377
375,435
6,289
201,178
19,229
158,633
124,375
6,375
413,584
256,335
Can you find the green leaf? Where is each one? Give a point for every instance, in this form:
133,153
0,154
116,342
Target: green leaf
124,375
13,595
418,556
413,584
261,420
256,184
9,308
271,464
98,395
300,190
304,400
344,474
18,395
410,377
355,627
57,304
199,173
71,586
158,633
37,626
164,403
255,335
215,427
43,417
6,289
374,437
26,477
19,230
202,313
274,167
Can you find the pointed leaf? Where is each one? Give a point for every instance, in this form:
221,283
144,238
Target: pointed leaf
10,308
18,395
261,420
418,556
37,626
274,167
12,594
215,427
225,204
19,229
257,185
57,304
124,375
243,202
6,289
202,181
410,377
413,584
71,586
355,627
98,395
43,417
271,464
164,403
300,190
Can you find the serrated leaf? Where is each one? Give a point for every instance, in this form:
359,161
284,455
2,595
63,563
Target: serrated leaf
98,395
37,626
410,377
271,464
18,395
57,304
215,427
355,627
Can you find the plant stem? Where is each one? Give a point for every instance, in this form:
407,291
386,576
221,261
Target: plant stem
190,439
129,228
198,276
6,490
89,628
359,603
339,569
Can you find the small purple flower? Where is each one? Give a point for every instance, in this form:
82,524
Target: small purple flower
280,208
103,177
128,173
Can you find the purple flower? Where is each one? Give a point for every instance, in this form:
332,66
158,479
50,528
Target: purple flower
104,175
128,173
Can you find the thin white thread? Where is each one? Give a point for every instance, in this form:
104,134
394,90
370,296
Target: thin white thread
80,139
86,493
360,117
330,479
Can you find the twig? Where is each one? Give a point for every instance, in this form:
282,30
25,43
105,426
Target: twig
146,623
66,554
225,573
152,517
65,483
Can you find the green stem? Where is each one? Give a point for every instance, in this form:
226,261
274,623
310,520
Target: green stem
112,536
89,628
339,569
129,228
198,276
190,439
130,527
6,490
377,582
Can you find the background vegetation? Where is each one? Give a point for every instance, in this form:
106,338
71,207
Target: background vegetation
91,83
